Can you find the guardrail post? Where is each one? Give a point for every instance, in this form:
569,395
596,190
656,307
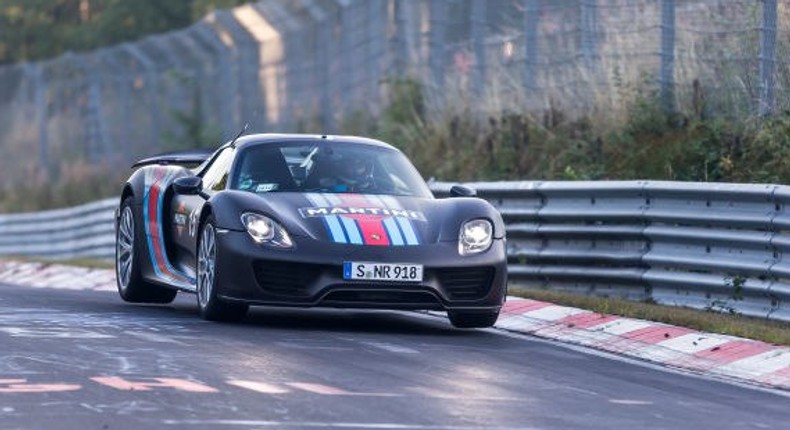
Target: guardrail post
767,58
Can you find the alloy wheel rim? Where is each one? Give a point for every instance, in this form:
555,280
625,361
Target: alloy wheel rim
207,255
125,248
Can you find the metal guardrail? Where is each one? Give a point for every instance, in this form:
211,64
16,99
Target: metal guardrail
85,231
702,245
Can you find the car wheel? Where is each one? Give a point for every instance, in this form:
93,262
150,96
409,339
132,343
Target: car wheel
212,308
131,285
462,319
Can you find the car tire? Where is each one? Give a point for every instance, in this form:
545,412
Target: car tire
212,307
128,250
461,319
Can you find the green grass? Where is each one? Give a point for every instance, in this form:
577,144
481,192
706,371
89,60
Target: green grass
88,263
775,332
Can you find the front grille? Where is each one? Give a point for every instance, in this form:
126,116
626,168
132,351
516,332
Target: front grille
286,279
379,297
466,283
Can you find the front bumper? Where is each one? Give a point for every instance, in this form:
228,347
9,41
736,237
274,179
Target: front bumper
311,274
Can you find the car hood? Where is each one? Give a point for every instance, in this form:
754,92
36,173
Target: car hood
359,219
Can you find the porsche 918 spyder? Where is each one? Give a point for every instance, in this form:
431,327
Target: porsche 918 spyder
303,220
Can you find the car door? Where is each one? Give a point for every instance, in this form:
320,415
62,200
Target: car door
186,209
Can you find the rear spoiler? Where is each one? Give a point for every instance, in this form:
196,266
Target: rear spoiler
189,157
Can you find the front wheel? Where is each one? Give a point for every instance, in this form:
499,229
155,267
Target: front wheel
212,308
461,319
131,285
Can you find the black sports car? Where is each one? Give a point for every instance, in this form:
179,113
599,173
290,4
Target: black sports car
303,220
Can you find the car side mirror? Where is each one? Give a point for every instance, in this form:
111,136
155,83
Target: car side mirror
189,186
462,191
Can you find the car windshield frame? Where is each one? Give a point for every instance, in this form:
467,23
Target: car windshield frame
392,172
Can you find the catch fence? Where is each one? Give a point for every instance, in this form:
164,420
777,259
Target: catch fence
316,65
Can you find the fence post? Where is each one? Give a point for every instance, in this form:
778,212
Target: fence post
346,76
531,47
376,33
479,40
152,76
97,129
767,58
226,81
438,40
589,27
323,46
401,40
120,79
667,80
42,113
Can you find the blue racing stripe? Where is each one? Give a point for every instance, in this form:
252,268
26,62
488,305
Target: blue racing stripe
336,229
175,274
332,199
353,230
332,224
408,231
394,233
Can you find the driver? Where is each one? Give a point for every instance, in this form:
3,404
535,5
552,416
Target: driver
352,173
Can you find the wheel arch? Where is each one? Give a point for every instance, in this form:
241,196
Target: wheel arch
205,212
126,193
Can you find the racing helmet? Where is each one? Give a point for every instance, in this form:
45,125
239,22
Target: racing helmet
355,170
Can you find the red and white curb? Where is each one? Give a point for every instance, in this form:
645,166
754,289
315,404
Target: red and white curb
710,354
58,276
715,355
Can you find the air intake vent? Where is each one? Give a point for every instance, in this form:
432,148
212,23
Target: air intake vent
286,279
466,283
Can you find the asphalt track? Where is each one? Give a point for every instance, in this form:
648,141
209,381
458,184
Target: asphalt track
85,360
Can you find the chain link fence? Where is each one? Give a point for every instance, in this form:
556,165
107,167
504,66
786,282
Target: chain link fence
304,65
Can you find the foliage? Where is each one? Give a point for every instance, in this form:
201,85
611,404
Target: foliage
38,29
649,143
464,144
195,131
80,182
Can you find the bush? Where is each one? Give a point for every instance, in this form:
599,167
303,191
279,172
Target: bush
462,144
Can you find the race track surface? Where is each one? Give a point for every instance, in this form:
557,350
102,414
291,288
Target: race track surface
85,360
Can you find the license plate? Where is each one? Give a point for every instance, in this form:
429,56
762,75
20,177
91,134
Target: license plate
382,272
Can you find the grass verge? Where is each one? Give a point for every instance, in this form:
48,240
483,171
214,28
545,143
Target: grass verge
88,263
775,332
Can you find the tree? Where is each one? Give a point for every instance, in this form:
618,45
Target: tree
37,29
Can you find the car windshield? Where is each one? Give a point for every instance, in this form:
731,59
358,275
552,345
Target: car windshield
327,167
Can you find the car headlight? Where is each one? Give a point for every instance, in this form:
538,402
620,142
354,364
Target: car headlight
265,230
475,237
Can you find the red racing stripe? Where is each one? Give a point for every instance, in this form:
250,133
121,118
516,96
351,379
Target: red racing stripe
153,221
371,226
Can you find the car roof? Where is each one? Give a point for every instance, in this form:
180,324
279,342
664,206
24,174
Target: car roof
264,138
